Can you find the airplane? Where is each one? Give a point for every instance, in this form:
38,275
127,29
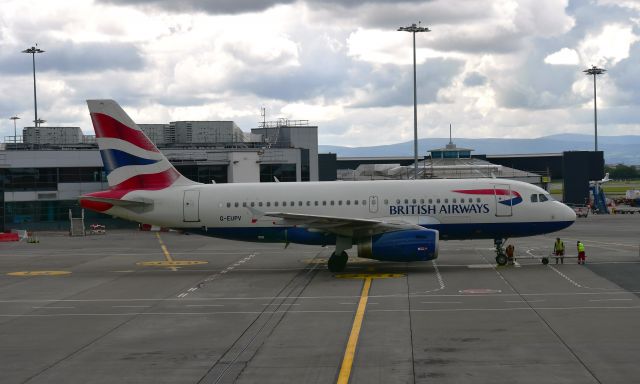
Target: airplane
393,220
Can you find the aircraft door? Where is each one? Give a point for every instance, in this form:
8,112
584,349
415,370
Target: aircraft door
373,204
502,193
191,202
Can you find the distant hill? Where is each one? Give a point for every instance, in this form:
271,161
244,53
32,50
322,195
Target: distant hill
617,149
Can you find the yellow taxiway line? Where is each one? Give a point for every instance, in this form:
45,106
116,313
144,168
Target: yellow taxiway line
349,353
167,255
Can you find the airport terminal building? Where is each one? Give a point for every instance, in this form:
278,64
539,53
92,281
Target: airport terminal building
43,174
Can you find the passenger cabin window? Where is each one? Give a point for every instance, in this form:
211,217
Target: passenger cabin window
268,203
534,198
284,203
478,200
236,204
275,203
355,202
364,202
414,201
259,203
244,204
348,202
228,205
253,204
430,201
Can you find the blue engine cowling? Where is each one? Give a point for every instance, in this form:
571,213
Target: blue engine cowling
409,245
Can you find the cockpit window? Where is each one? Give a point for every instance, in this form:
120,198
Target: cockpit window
542,197
534,198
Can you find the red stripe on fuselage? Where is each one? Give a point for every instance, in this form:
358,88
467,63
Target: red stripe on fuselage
107,126
504,192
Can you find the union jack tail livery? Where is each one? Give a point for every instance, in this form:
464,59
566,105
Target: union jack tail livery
131,160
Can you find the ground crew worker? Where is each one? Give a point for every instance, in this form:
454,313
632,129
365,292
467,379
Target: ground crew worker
509,251
558,250
581,255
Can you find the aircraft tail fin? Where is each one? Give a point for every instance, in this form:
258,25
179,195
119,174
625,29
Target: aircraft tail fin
131,160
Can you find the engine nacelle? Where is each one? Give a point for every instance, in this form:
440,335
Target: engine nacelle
408,245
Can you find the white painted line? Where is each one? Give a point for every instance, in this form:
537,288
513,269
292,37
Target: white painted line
565,276
192,289
348,303
230,268
205,305
605,308
130,306
611,300
224,271
182,294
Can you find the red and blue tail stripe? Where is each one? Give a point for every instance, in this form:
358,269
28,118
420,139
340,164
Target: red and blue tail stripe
131,160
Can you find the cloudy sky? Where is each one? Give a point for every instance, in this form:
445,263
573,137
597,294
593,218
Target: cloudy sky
492,68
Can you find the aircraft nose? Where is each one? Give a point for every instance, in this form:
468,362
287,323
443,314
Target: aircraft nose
568,214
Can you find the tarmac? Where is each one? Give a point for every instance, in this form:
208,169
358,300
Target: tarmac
147,307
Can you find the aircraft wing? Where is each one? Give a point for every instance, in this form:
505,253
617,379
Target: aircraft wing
342,226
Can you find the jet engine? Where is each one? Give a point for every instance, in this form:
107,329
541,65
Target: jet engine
407,245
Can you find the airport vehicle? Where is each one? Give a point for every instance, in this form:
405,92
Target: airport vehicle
396,220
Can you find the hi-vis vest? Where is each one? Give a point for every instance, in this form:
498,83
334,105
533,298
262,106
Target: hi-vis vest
559,246
580,247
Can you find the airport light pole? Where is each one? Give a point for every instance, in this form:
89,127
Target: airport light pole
595,71
15,136
413,28
33,51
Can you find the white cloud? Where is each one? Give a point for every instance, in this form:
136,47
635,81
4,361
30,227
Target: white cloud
609,46
341,64
565,56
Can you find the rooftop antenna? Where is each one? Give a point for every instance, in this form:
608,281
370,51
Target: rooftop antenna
450,140
263,113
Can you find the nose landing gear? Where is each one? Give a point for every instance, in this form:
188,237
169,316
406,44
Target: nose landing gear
501,257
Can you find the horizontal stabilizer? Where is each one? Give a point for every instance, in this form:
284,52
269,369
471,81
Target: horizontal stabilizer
119,202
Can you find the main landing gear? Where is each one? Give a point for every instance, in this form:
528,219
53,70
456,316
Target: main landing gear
338,260
501,257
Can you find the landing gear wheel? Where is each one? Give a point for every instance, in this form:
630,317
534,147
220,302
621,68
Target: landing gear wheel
501,259
545,260
337,263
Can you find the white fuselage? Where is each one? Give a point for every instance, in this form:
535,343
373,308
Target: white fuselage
434,204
